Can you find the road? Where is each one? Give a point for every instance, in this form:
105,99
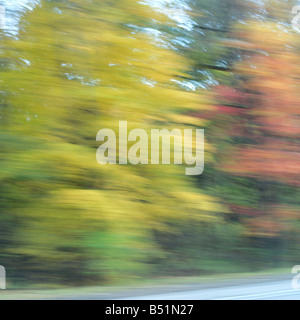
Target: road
277,290
253,287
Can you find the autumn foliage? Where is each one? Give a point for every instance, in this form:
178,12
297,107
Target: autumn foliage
75,67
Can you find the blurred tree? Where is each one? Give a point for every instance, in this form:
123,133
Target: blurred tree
79,66
261,117
75,68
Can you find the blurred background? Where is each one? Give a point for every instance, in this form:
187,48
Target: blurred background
69,68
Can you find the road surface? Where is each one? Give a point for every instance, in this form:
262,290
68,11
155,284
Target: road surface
277,290
264,287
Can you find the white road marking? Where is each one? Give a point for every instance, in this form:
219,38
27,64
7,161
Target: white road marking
264,295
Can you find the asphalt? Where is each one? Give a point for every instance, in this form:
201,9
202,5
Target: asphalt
247,288
278,290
